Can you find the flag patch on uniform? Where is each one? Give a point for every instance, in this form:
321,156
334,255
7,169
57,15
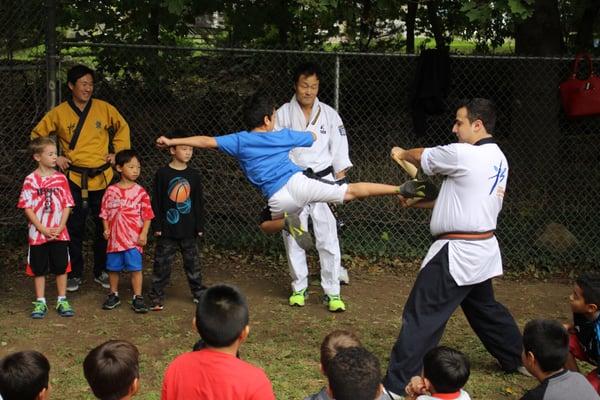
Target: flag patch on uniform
342,130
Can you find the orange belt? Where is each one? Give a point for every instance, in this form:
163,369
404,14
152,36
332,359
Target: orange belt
465,235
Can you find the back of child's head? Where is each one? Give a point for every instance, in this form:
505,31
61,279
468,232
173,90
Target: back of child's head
590,287
256,108
111,368
548,341
354,374
23,375
447,369
221,315
37,145
334,343
124,156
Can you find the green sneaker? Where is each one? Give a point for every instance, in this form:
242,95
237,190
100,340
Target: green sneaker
297,298
39,310
294,228
64,309
334,303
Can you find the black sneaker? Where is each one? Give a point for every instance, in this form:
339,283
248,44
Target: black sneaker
111,302
138,305
156,305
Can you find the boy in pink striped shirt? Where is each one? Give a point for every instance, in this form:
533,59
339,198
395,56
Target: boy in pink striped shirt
126,213
46,200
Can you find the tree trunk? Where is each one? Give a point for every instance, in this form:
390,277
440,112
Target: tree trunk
441,42
411,17
540,34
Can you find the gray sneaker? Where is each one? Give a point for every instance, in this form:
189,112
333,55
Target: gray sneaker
102,280
73,284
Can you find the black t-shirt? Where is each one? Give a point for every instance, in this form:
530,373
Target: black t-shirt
587,336
178,203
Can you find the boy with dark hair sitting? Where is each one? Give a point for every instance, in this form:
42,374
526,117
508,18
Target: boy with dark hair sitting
112,370
584,340
354,374
24,376
545,350
214,371
445,373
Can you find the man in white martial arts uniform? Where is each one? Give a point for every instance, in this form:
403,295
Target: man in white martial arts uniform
465,255
328,159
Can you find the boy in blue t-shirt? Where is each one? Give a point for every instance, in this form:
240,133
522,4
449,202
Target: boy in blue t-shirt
263,155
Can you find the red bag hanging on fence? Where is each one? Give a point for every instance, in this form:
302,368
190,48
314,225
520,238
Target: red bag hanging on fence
581,97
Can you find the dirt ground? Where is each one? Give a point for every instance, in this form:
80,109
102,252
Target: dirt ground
284,341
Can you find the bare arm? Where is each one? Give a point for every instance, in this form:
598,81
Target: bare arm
143,239
31,217
203,142
413,156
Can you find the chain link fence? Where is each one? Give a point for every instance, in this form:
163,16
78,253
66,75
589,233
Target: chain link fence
550,211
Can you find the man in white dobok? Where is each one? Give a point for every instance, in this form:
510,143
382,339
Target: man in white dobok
326,159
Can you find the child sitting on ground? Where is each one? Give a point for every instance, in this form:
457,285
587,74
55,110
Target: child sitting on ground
24,376
584,333
333,343
264,158
445,372
112,370
126,213
354,374
214,371
46,200
545,350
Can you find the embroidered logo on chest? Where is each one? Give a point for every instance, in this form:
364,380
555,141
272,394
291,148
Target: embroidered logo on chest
98,125
322,130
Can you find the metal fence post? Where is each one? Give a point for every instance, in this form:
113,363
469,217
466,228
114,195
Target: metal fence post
336,94
51,54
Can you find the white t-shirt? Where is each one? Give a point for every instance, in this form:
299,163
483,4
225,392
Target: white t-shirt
461,396
470,200
331,146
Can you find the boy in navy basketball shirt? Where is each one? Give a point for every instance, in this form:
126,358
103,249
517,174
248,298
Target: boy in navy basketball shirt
177,202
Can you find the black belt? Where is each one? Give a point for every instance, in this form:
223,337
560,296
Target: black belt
320,174
86,173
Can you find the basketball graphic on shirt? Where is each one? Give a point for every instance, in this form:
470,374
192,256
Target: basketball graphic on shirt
179,190
185,207
172,216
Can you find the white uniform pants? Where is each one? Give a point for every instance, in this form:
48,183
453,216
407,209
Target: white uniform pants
327,244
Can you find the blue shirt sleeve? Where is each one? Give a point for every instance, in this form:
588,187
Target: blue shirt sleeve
299,138
229,144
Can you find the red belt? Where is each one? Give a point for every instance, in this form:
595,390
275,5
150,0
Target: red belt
465,235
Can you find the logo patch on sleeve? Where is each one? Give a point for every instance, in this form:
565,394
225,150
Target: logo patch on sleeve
342,130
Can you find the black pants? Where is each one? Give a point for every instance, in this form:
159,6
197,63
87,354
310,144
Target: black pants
432,301
163,258
76,226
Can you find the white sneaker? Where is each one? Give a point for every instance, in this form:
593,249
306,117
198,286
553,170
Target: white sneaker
344,278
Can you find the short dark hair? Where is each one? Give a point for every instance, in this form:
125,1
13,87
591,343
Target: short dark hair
256,108
124,156
354,374
23,375
548,340
78,71
37,145
307,69
178,134
335,342
590,287
111,368
447,369
481,109
221,315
